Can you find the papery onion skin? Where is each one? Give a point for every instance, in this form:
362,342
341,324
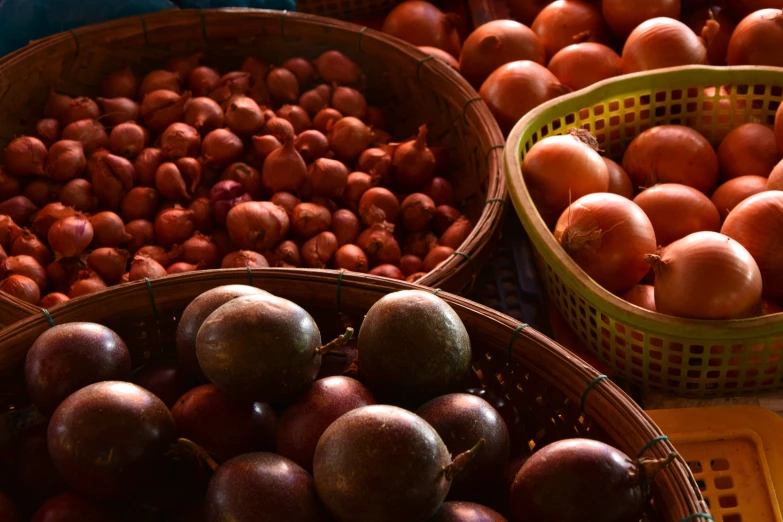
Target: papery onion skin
48,131
622,16
758,39
748,150
737,190
662,42
220,148
672,154
441,55
334,66
91,133
87,283
707,275
676,211
607,236
121,83
22,288
203,114
516,88
497,43
26,266
619,182
757,224
70,236
581,65
559,170
119,110
421,23
53,299
257,225
244,258
642,296
562,22
25,156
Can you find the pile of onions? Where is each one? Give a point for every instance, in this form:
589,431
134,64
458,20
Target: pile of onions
718,48
737,190
748,150
581,65
622,17
676,211
662,42
757,40
421,23
564,22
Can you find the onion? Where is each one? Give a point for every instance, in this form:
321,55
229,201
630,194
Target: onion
145,267
10,186
26,266
182,65
416,212
139,203
318,251
419,244
329,177
25,156
436,256
56,104
642,296
283,86
27,244
200,249
769,308
662,42
160,80
581,65
109,230
19,208
41,191
280,128
128,139
47,217
88,282
441,55
334,66
264,145
758,39
378,204
257,225
120,84
286,254
561,169
286,200
516,88
749,149
415,277
244,258
203,114
410,265
737,190
203,80
220,148
414,161
142,233
146,165
48,131
171,183
160,255
203,217
119,110
173,226
324,117
345,226
526,10
22,288
457,233
8,229
302,69
775,181
226,190
315,99
623,17
377,162
311,145
81,108
243,116
701,20
380,245
351,257
161,108
676,211
389,271
757,224
90,133
284,169
349,102
742,8
349,137
443,217
310,219
66,160
69,236
111,179
52,300
180,140
619,182
182,267
356,185
607,236
109,263
297,116
672,154
706,275
421,23
564,22
232,84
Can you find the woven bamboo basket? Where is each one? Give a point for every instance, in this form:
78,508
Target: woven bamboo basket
662,353
415,88
557,394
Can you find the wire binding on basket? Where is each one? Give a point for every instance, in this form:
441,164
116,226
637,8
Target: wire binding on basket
494,200
493,147
650,444
467,104
48,316
361,38
705,516
152,296
435,292
144,29
203,24
422,62
466,256
589,389
514,338
339,291
76,39
283,16
249,276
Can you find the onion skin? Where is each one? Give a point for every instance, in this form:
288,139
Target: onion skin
202,80
257,225
264,145
173,226
414,161
203,114
315,99
380,245
18,208
25,156
119,110
310,219
351,257
329,177
516,88
243,116
421,23
81,108
387,270
244,258
48,131
145,267
737,190
139,203
10,186
283,86
707,275
160,80
436,256
108,230
56,104
642,296
622,17
757,40
280,128
109,263
607,236
345,226
200,249
182,267
26,266
161,108
284,169
662,42
28,244
562,22
52,300
87,283
676,211
441,55
90,133
128,139
142,233
580,65
22,288
311,145
559,170
160,255
497,43
47,217
775,180
718,48
182,65
296,116
416,212
443,217
349,102
334,66
180,140
378,204
672,154
247,176
619,182
220,148
65,160
69,236
121,83
318,251
377,162
349,137
757,224
146,165
286,254
302,69
457,233
748,150
410,265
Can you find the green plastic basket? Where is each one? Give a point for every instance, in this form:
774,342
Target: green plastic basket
659,352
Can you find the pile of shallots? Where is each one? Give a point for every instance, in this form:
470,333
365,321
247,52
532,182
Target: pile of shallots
189,169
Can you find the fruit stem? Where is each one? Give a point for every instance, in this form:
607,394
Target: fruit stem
462,460
189,447
332,348
651,467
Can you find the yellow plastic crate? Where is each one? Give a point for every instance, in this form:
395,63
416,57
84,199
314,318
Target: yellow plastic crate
661,353
736,456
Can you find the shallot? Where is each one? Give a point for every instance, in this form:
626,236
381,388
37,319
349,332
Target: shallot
70,236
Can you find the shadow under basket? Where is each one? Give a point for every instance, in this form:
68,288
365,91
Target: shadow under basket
556,394
413,88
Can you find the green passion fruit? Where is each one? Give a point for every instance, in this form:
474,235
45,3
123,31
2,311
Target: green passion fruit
413,347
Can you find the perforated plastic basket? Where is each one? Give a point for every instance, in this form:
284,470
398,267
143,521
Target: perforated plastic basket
662,353
736,456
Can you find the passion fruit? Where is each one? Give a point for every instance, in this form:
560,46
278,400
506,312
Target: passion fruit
466,512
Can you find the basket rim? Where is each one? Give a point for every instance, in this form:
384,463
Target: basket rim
562,264
137,30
